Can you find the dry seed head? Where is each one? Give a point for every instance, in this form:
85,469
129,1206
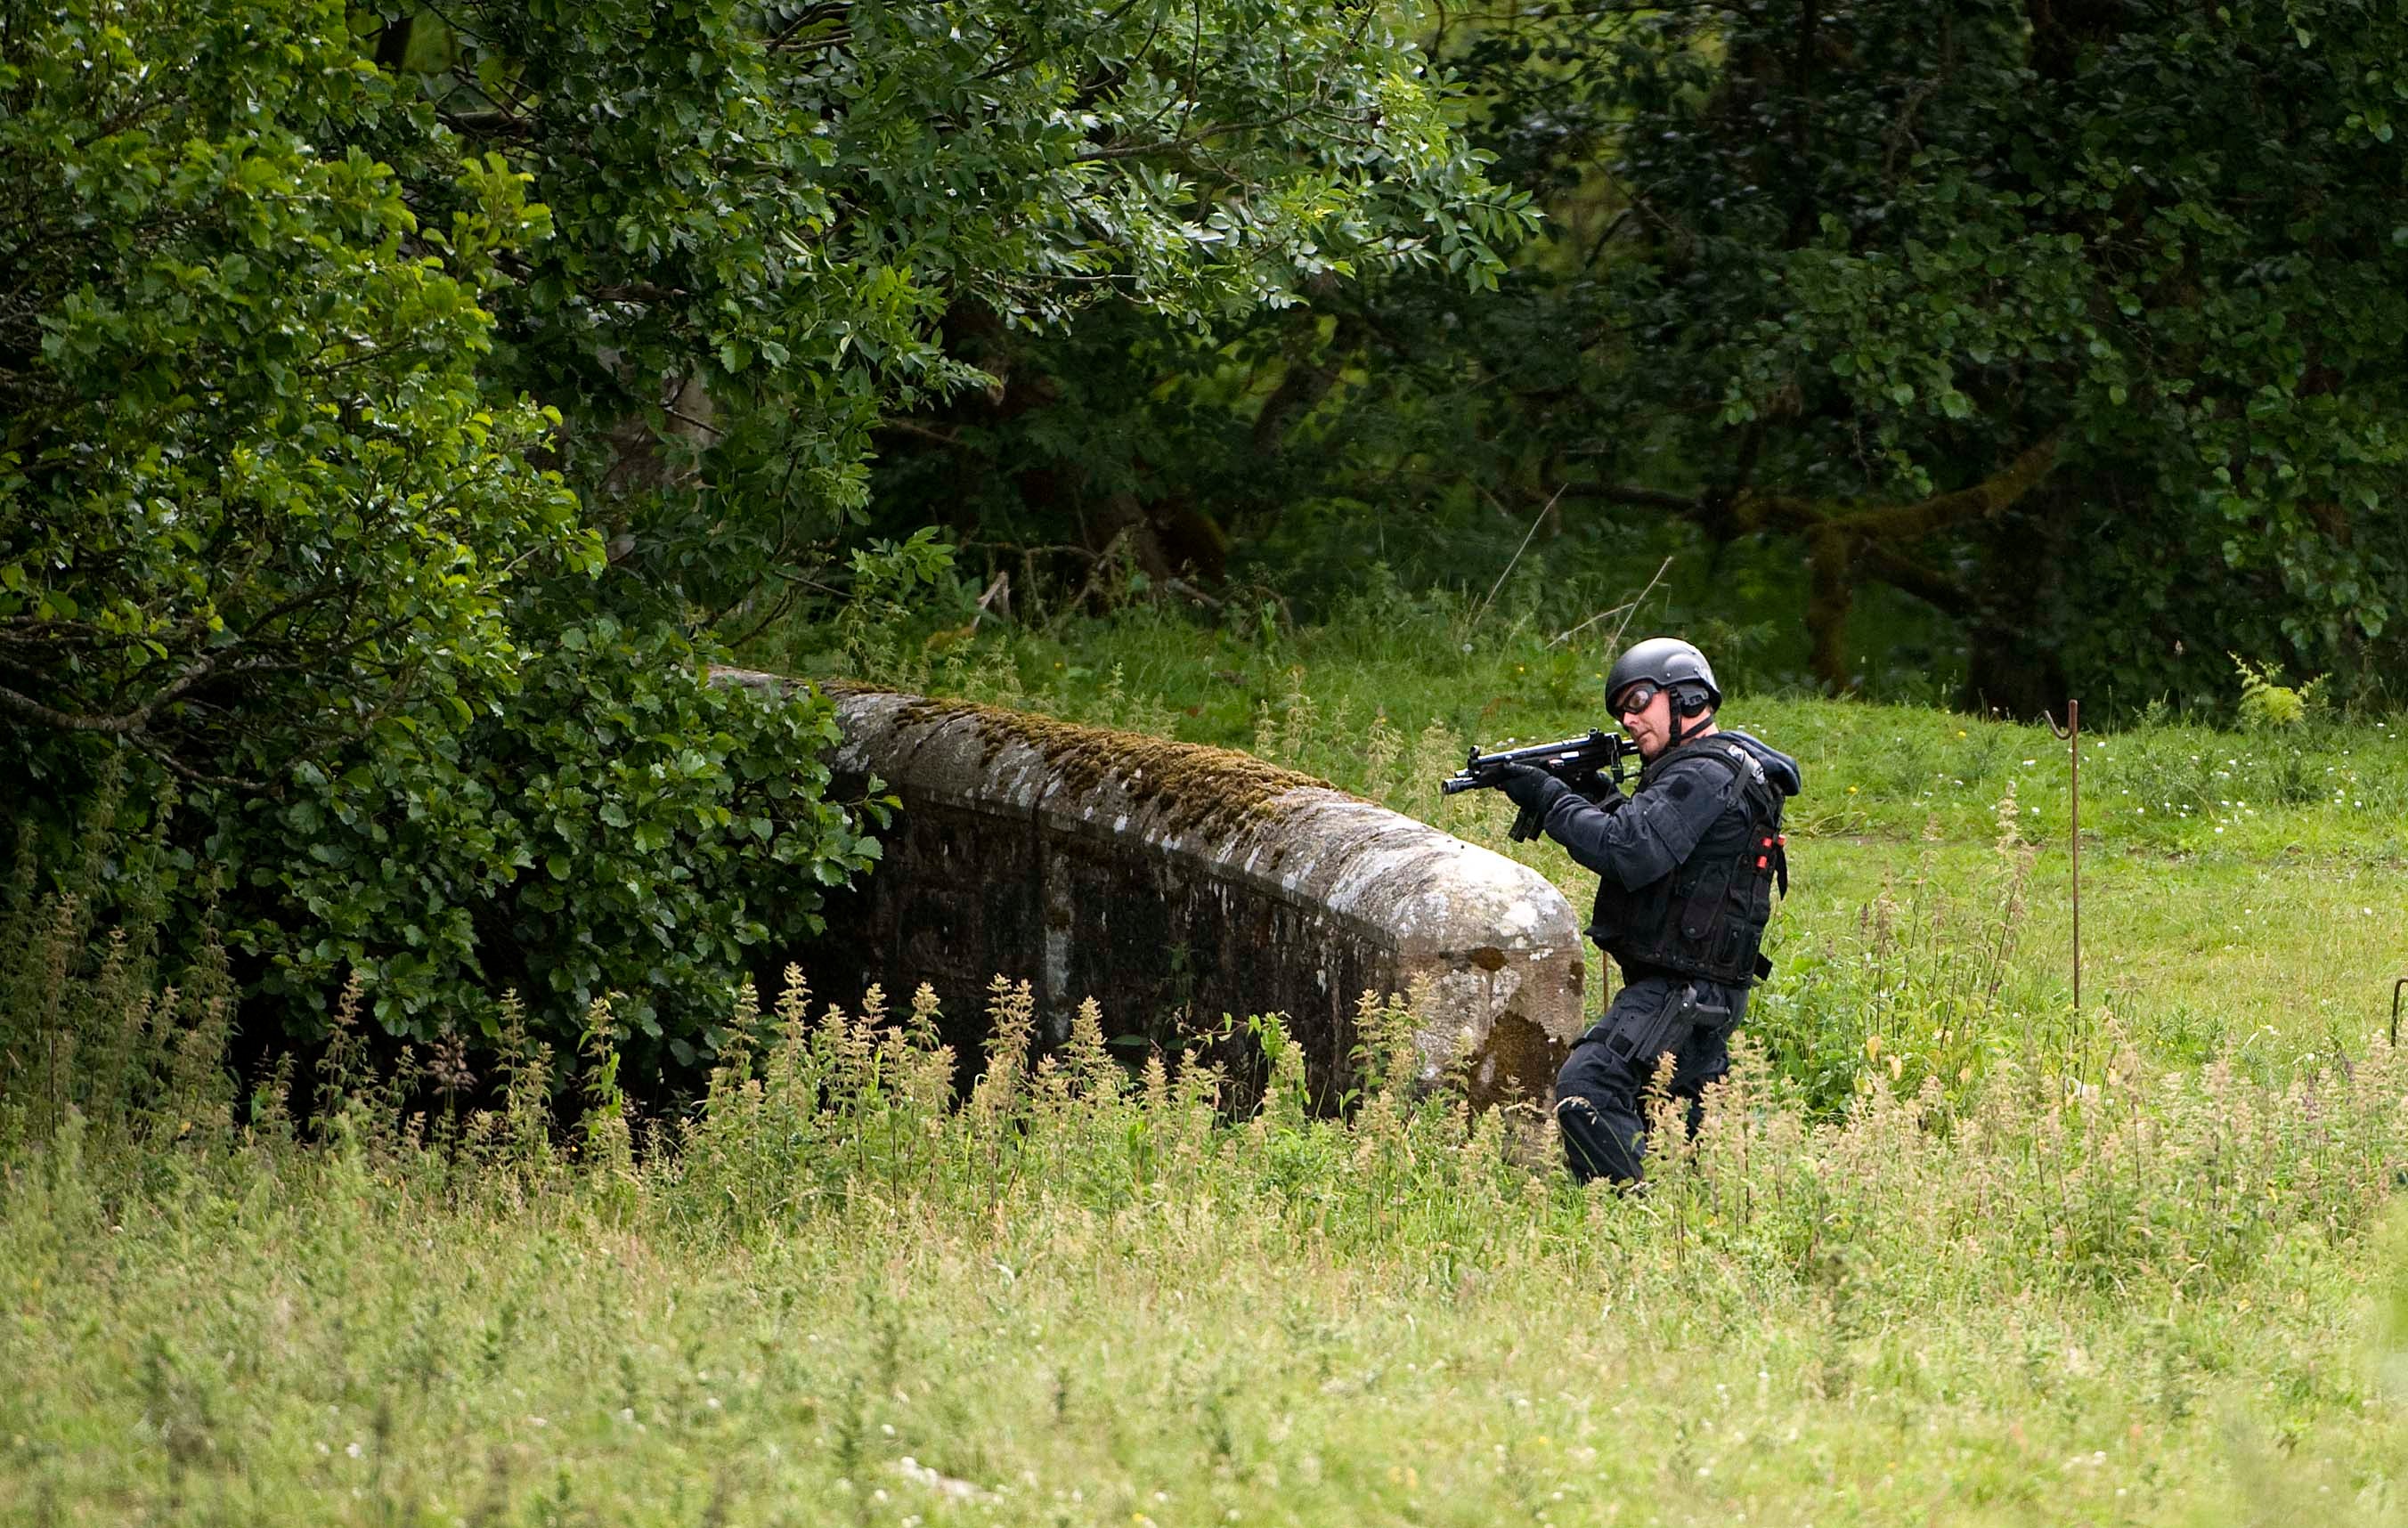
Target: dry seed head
449,1069
346,1006
795,1000
1266,743
925,1012
1383,744
1090,1060
1300,724
846,1047
599,1029
1012,1022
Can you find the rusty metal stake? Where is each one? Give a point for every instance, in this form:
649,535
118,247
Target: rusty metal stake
2071,733
2397,988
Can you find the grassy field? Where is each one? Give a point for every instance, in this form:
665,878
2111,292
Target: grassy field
1950,1252
2239,889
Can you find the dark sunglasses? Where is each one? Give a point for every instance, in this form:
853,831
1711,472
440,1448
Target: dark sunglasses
1636,698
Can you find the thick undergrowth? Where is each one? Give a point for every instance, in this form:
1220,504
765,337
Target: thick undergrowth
829,1292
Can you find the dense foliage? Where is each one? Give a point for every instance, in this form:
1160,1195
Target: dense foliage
777,225
2080,324
395,406
256,501
604,832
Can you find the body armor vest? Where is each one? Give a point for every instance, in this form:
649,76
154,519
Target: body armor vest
1707,917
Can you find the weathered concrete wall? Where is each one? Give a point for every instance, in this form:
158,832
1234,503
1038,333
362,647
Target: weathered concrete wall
1175,884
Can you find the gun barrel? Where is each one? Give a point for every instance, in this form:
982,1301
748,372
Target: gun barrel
1595,744
1478,770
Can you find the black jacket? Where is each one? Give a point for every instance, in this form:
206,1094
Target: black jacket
1686,864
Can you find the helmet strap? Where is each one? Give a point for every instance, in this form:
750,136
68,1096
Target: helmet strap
1677,734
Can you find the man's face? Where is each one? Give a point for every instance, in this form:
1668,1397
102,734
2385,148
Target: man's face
1650,725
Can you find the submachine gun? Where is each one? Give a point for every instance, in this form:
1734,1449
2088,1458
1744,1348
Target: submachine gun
1584,763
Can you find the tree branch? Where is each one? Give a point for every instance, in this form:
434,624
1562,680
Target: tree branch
121,725
1643,499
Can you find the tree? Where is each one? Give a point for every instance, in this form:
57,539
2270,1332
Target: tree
781,226
253,498
2081,323
265,524
2075,321
393,415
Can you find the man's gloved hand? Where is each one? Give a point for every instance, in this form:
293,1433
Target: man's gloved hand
1599,789
1529,787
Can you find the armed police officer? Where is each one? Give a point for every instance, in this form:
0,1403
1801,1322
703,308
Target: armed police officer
1686,866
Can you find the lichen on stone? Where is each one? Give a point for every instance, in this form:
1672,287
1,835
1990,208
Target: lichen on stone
1202,788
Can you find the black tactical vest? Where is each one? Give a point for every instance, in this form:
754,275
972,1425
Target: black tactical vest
1707,917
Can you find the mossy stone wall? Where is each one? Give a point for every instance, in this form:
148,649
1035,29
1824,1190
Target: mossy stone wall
1176,884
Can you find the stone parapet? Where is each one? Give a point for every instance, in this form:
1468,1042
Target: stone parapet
1177,883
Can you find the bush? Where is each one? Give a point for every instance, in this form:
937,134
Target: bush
292,600
253,499
621,825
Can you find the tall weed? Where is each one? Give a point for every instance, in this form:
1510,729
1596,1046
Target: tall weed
1923,990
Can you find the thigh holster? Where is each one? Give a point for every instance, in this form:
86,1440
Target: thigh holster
1637,1036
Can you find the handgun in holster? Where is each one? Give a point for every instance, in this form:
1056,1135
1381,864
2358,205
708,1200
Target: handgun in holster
1641,1039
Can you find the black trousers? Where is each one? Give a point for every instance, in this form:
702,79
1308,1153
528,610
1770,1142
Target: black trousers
1599,1092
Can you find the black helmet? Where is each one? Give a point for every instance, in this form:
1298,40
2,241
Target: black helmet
1671,662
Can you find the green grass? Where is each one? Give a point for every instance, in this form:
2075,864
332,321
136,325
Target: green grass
2176,1301
2236,887
1950,1252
